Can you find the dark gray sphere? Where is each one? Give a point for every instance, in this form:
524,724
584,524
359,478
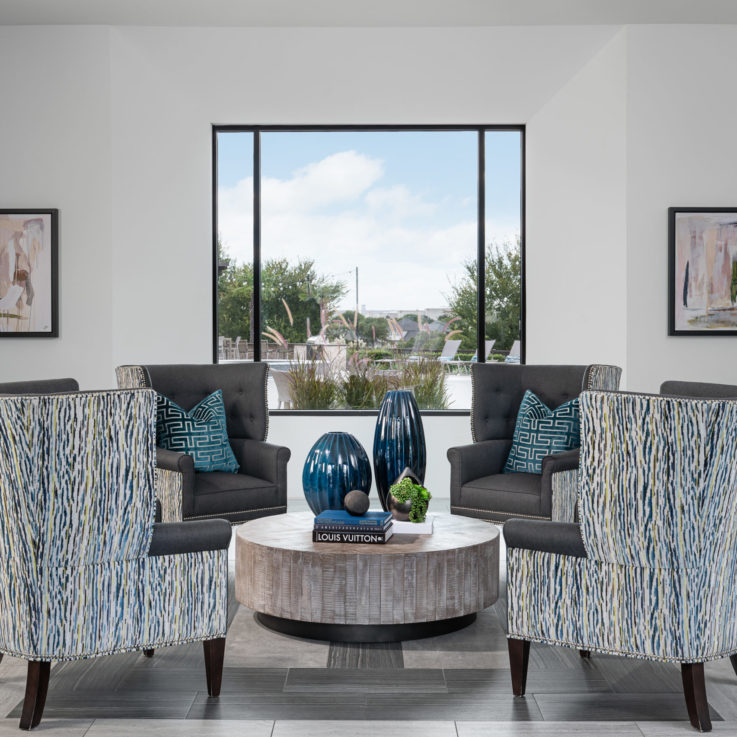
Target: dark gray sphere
356,502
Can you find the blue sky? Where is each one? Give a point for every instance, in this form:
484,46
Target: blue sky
400,205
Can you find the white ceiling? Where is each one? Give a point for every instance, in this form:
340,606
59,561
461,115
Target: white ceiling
366,13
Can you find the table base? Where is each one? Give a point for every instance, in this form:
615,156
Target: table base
364,632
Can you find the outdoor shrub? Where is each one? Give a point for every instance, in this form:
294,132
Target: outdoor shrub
357,388
427,379
313,386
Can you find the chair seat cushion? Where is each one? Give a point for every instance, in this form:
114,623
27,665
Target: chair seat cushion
200,432
509,493
541,432
221,493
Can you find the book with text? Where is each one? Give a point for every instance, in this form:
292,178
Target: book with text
364,537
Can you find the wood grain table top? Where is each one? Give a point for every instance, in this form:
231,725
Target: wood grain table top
293,532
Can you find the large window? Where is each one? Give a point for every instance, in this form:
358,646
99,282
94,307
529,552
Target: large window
349,259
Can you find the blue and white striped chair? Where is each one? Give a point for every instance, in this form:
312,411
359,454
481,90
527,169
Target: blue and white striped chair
84,570
650,571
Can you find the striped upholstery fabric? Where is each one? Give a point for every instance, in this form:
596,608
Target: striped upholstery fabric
565,483
658,512
564,486
76,519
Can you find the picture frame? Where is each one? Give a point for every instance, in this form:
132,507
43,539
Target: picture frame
702,271
29,273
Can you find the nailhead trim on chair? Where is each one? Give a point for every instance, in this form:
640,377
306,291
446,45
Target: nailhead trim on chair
225,515
496,511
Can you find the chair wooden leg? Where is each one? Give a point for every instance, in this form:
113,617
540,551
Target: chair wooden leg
694,689
37,686
585,653
148,653
733,660
214,655
519,656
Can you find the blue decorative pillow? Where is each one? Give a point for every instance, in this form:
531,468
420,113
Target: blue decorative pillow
541,431
201,433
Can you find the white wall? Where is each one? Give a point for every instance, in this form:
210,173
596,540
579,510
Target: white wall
55,152
681,151
170,85
112,126
576,226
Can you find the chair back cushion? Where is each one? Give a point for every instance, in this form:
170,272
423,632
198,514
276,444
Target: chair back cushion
76,478
200,433
658,479
541,431
40,386
699,389
498,389
243,386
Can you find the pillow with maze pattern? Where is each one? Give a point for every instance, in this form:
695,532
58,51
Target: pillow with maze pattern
201,433
541,431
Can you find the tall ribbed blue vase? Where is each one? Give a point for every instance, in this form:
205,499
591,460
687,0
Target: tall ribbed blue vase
336,464
399,441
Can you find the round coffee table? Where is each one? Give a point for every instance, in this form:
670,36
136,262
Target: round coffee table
412,586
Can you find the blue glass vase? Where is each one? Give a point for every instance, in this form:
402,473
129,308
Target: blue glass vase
335,465
399,441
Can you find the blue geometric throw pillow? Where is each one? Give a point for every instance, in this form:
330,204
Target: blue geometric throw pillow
541,431
201,433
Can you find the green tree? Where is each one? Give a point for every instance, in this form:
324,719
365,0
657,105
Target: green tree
290,294
503,297
235,290
365,333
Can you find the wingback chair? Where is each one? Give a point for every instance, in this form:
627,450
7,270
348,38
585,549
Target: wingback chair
260,486
84,570
478,487
649,572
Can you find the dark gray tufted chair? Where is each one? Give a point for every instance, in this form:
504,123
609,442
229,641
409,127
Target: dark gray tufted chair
260,487
478,488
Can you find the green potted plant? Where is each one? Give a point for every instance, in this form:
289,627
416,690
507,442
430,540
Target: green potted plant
408,499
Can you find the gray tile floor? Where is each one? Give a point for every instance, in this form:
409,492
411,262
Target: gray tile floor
457,685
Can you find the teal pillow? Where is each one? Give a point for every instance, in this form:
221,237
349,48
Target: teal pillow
541,431
201,433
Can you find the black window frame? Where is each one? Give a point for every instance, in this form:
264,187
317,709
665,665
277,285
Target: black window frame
480,130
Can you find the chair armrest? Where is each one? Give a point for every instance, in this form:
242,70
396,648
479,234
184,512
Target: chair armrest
559,485
468,462
262,460
170,460
567,461
560,538
175,477
175,538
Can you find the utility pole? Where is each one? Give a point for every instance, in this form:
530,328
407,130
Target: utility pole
356,293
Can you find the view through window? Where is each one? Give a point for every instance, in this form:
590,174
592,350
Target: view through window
368,253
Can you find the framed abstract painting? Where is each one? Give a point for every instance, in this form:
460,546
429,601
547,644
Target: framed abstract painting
29,288
702,294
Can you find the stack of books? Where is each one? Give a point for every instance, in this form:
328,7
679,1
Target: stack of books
338,526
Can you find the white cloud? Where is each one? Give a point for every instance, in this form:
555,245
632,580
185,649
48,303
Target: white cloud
335,212
398,202
338,178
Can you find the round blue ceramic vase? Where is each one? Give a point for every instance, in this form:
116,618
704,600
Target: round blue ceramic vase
336,464
399,441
